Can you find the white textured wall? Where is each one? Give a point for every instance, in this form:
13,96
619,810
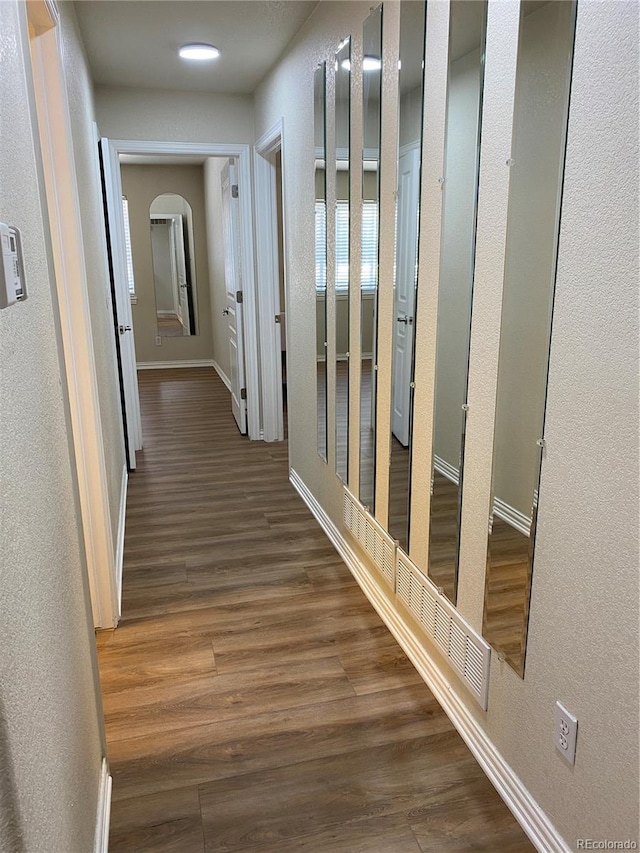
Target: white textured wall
215,249
81,108
174,116
142,184
50,730
584,616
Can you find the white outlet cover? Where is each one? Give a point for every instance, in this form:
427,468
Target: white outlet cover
565,733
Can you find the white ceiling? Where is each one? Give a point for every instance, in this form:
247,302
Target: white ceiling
134,43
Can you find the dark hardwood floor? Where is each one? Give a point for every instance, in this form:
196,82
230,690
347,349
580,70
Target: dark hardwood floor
254,701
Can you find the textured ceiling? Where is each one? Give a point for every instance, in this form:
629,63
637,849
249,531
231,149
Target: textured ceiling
134,43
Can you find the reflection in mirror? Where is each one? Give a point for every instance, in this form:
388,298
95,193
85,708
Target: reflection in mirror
343,145
174,275
319,100
540,123
371,93
412,34
455,287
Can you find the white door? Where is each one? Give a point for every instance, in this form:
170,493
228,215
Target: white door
124,323
233,280
179,232
406,261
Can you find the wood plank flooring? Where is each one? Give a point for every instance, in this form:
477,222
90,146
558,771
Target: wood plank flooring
254,701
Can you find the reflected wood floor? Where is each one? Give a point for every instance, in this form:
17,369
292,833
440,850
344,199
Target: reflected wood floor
506,596
254,701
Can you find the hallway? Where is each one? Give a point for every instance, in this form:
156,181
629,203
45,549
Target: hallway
254,701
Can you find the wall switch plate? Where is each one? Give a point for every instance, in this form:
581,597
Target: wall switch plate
158,341
12,286
565,733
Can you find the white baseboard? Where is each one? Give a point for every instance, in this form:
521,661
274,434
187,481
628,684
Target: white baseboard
103,816
167,365
513,517
221,374
194,362
523,806
447,470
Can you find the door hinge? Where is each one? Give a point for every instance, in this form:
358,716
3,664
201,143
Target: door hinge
234,191
243,393
239,297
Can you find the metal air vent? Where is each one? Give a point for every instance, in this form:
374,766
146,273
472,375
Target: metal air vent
466,651
371,537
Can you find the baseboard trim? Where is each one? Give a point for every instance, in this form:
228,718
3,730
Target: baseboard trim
520,802
194,362
516,519
447,470
513,517
168,365
221,374
120,540
103,817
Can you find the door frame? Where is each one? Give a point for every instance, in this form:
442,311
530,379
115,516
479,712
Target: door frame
242,153
264,169
65,226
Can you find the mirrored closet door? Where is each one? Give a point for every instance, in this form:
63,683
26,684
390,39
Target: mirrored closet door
455,288
540,126
410,97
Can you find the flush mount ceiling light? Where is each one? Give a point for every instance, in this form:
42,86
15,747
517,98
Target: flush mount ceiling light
199,52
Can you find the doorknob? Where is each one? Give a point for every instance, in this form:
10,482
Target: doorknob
123,329
405,319
225,311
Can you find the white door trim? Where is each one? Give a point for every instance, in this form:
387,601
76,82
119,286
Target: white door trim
242,153
75,321
266,219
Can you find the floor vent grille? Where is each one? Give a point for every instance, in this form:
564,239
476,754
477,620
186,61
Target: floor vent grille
467,652
371,537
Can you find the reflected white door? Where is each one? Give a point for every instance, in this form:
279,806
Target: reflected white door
179,236
406,261
112,187
233,281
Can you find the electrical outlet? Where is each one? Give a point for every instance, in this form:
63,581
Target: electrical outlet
565,733
158,341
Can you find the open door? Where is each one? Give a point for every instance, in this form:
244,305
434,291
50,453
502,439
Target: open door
123,322
404,307
233,280
178,227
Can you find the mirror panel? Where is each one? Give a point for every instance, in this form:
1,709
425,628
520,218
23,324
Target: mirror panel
319,106
174,274
343,158
371,95
540,124
455,289
412,41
